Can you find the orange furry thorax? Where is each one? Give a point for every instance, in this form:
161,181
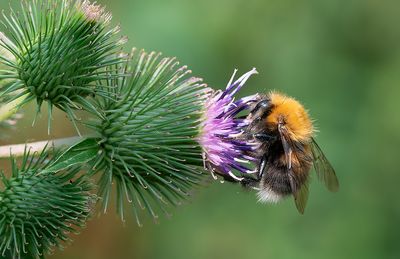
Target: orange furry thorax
292,114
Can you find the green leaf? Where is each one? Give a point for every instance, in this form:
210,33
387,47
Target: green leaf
82,152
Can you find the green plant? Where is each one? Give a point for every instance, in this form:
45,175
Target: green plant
150,131
38,209
55,52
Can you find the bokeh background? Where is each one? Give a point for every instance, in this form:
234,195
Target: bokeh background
341,59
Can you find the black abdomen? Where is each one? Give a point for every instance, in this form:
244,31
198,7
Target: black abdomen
276,174
277,179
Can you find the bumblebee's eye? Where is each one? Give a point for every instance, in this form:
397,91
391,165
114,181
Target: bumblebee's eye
263,105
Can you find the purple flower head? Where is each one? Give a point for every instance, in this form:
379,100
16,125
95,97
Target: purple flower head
223,151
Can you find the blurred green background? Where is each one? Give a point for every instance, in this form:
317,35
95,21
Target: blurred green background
341,59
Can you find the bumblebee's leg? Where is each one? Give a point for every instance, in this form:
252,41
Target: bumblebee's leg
254,183
263,164
250,183
264,137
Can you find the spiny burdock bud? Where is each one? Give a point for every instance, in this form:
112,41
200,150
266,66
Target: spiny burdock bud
38,211
148,134
55,51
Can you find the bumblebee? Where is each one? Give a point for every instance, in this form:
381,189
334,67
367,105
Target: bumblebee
287,151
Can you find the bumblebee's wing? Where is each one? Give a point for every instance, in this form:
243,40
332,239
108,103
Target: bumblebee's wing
300,194
323,168
287,145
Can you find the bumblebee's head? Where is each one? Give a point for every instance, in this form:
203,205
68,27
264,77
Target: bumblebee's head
274,109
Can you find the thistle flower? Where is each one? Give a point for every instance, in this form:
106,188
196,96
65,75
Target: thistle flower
38,211
94,12
59,50
148,134
223,152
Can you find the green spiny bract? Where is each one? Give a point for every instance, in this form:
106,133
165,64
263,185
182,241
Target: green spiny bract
148,134
38,211
59,49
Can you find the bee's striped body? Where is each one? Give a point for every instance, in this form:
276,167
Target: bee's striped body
287,150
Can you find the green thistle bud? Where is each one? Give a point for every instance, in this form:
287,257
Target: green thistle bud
148,134
59,49
37,211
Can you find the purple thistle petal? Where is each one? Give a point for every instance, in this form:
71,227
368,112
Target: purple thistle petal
238,83
223,151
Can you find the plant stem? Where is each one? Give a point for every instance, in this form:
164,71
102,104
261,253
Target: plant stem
7,110
19,149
